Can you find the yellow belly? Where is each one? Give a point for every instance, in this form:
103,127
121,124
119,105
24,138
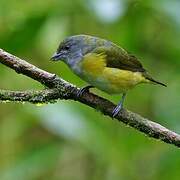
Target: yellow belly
121,81
110,80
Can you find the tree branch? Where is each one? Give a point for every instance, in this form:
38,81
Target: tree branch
60,89
31,96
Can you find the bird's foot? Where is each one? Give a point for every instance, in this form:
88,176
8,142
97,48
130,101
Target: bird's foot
116,110
84,89
119,107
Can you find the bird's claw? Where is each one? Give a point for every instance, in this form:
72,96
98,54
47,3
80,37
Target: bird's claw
82,90
116,110
119,107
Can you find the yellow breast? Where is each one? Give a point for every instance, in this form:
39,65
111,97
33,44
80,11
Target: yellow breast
110,80
93,64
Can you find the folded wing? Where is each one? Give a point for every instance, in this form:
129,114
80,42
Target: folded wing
117,57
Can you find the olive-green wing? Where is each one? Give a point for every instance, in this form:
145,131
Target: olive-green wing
117,57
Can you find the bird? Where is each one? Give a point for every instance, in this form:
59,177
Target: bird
103,65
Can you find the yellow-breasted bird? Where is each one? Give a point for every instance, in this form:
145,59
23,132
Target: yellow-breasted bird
103,65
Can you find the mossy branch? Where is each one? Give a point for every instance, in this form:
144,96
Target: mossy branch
57,88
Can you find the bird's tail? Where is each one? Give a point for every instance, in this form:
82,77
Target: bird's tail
148,77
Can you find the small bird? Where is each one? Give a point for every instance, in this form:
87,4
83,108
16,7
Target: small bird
103,65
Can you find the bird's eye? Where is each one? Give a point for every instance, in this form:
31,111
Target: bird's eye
66,47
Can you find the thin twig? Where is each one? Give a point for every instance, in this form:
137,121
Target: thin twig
60,89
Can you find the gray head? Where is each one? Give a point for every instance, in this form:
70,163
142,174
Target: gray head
73,48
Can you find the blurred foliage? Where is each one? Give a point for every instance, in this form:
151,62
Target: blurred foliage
68,140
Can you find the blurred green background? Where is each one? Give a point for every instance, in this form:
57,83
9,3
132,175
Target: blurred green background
69,140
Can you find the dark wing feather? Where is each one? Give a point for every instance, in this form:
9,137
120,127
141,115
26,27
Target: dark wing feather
117,57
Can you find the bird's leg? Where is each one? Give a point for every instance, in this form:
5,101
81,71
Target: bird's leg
119,106
84,89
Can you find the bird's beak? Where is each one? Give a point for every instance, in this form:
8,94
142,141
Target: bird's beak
57,56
